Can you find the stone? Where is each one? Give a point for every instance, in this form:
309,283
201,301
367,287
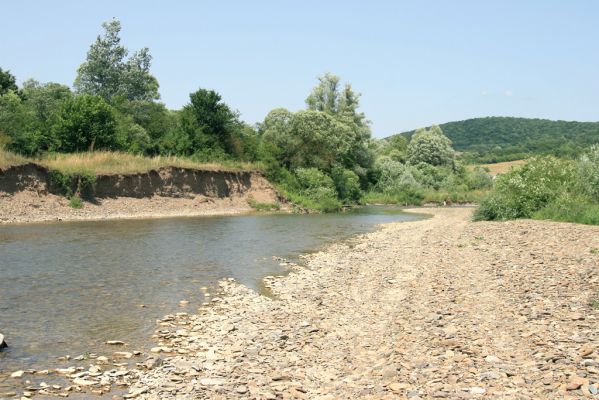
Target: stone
2,342
211,381
492,359
115,342
17,374
241,389
83,382
123,354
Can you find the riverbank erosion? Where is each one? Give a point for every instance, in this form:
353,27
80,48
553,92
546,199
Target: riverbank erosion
440,308
31,193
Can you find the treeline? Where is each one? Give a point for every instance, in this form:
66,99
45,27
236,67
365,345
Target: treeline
496,139
322,157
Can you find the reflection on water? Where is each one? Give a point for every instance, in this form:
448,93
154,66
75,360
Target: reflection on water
66,288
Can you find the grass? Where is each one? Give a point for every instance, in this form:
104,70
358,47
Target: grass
264,206
8,159
580,213
76,202
107,162
501,167
428,196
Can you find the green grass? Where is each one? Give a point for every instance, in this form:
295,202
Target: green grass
76,202
580,213
303,202
420,198
264,206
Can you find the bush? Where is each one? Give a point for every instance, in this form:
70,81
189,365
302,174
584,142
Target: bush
318,188
570,209
347,184
479,179
588,173
523,191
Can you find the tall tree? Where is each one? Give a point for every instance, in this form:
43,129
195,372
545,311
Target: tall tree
7,82
213,123
86,123
107,72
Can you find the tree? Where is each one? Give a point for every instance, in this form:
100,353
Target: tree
327,97
7,82
210,123
432,147
108,73
86,123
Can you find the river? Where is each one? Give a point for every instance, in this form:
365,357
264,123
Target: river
67,288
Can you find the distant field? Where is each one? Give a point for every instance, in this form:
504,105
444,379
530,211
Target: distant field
105,162
502,167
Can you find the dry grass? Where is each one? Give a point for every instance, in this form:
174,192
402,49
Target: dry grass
8,159
105,162
502,167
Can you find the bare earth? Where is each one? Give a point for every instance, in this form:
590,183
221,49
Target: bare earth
29,206
440,308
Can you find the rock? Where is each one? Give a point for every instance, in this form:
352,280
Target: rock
135,393
17,374
477,390
211,381
115,342
83,382
152,362
122,354
398,387
576,382
2,342
586,350
492,359
241,389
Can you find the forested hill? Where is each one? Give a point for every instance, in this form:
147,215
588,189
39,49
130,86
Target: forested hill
494,139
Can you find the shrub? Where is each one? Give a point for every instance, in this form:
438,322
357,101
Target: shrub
347,184
523,191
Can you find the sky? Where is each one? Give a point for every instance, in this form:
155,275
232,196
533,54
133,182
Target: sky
416,63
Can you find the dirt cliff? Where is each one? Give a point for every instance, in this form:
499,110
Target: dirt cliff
31,192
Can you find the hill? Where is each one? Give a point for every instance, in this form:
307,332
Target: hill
495,139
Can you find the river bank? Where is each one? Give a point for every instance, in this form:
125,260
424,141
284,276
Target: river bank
30,193
439,308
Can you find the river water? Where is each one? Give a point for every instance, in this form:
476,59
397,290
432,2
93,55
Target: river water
67,288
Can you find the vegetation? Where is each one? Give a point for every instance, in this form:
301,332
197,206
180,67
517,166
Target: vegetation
264,206
547,188
322,157
496,139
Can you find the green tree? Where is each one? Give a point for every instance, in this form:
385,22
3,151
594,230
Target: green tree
86,123
107,72
432,147
7,82
210,123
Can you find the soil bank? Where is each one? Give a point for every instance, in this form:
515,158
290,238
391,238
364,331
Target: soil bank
28,194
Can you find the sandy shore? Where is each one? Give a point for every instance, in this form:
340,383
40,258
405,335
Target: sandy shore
440,308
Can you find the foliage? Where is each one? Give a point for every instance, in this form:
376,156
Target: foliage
546,188
76,202
588,173
347,184
495,139
317,187
85,123
7,82
430,146
107,72
264,206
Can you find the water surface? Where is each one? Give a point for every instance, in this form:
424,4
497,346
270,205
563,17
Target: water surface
66,288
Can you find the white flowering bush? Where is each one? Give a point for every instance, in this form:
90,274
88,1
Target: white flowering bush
523,191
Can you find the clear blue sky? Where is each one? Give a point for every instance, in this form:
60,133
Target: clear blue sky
416,63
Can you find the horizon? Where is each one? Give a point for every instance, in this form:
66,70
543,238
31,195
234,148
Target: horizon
464,60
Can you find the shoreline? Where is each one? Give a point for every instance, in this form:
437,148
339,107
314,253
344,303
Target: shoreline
441,307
